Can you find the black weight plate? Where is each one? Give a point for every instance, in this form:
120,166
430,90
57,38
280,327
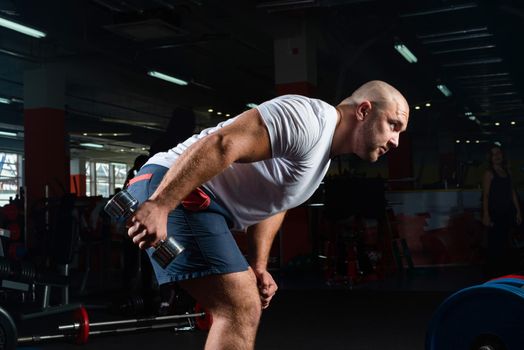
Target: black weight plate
8,336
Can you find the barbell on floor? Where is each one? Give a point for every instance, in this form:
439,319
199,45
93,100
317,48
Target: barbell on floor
82,329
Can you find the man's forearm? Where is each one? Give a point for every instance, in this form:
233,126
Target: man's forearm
260,239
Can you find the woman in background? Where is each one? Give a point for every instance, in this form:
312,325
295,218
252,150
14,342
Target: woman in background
501,211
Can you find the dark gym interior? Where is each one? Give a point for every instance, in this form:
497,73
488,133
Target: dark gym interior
388,255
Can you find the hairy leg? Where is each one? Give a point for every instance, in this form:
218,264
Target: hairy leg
234,303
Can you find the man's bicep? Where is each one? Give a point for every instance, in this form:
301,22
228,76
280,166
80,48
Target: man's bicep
247,138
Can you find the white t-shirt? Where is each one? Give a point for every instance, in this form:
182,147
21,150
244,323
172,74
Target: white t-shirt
301,131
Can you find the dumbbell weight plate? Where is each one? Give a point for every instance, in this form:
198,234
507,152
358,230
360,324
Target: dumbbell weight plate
8,334
81,318
203,322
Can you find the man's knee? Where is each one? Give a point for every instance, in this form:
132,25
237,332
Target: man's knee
243,307
241,301
231,298
249,312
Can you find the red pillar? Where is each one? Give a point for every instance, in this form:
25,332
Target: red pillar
46,146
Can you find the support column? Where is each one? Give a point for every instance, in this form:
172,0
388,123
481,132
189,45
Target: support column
296,63
295,73
46,146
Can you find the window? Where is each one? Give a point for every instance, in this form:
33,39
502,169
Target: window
119,174
102,178
88,179
10,176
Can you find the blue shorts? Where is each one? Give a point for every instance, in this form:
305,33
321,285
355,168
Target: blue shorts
200,225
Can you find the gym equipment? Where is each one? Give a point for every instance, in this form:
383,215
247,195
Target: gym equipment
7,331
80,331
489,316
123,205
131,306
204,321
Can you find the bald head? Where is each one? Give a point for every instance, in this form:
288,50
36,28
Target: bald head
370,121
377,92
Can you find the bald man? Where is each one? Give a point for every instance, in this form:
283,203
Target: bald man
243,175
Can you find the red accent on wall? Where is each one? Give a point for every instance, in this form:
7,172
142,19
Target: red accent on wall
46,153
400,164
78,184
300,88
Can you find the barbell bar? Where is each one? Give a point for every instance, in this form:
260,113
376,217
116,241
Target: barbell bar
81,329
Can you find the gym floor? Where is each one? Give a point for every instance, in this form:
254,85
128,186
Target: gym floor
305,314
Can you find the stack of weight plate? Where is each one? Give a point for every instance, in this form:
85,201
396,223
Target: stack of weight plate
489,316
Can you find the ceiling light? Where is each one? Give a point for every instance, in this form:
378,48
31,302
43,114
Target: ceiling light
513,123
17,100
428,104
417,107
210,110
92,145
21,28
167,78
228,115
444,89
406,53
7,133
497,123
219,113
472,117
106,134
467,141
5,100
251,105
477,141
457,141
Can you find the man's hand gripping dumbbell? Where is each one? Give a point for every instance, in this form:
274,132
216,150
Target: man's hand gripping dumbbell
123,205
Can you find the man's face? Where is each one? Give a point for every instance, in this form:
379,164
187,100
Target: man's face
381,130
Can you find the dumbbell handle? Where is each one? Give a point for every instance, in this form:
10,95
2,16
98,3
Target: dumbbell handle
123,205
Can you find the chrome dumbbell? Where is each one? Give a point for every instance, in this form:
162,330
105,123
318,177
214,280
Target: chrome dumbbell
123,205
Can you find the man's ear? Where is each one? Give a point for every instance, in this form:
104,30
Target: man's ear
363,109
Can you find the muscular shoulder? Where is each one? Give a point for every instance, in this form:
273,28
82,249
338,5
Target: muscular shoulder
293,106
295,123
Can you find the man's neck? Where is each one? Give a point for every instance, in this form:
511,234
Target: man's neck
341,136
